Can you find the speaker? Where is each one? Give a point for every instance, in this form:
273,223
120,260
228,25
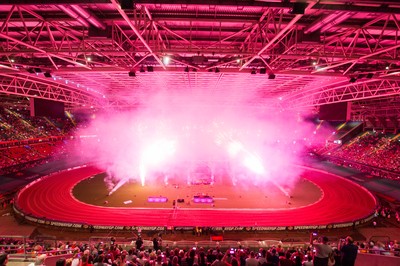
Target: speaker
100,33
127,4
181,200
47,74
298,8
335,111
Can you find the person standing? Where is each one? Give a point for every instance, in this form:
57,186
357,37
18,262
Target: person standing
3,259
252,261
349,252
322,252
139,243
155,244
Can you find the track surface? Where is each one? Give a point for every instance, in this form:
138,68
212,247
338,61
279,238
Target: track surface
51,197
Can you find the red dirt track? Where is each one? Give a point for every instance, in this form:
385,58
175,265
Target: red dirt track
51,197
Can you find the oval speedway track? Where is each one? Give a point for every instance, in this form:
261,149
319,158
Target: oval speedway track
51,198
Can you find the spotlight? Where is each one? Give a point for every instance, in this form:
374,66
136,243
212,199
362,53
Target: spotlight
370,75
352,80
271,76
38,70
166,60
30,70
263,70
360,76
150,69
47,74
253,71
142,69
186,69
132,73
216,70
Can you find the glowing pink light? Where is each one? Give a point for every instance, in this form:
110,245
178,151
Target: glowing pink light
157,199
201,199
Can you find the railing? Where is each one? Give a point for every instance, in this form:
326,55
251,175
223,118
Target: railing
26,248
370,168
25,251
148,244
12,143
13,250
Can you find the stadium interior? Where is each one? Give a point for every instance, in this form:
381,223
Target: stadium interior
217,127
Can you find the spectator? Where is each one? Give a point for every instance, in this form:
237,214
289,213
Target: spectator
309,261
322,252
349,252
3,259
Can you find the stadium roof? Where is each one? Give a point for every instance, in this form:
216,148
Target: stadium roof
291,53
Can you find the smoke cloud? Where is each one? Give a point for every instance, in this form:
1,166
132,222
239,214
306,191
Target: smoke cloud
200,133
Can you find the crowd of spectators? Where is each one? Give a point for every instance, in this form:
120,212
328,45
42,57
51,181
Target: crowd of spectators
372,152
27,141
136,254
19,125
25,156
387,212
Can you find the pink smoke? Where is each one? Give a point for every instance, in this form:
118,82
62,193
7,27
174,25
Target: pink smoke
174,131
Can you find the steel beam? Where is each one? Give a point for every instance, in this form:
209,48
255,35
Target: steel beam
136,31
25,85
